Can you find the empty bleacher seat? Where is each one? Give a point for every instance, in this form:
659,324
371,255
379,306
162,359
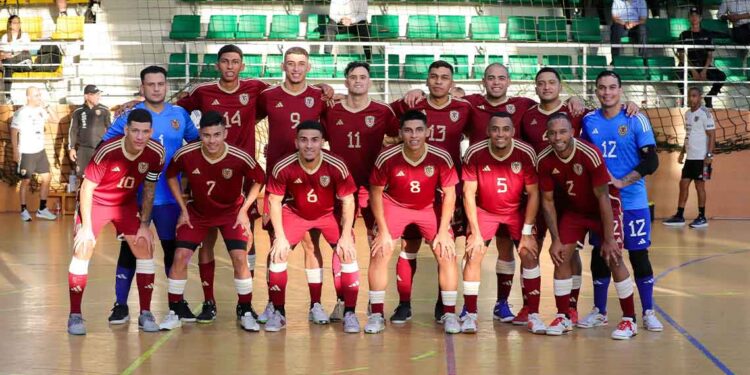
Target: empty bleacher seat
253,66
222,26
732,67
661,68
521,28
485,28
552,29
522,67
585,30
377,68
451,27
176,67
185,26
561,63
316,24
595,64
480,63
322,66
421,27
209,66
630,68
416,66
284,26
384,26
658,31
272,68
251,26
460,65
719,30
69,27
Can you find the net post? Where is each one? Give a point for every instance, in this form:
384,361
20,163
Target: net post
585,71
187,63
386,84
684,74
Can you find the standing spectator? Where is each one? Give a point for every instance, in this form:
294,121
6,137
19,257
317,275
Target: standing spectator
63,10
27,137
88,124
738,13
349,16
91,10
700,60
14,52
700,137
628,19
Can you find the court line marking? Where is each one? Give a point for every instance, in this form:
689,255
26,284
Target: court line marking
147,354
694,341
450,354
424,355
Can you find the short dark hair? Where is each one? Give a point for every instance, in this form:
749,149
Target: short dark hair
354,65
153,69
547,69
413,114
495,64
311,125
559,116
696,89
140,115
441,64
228,49
609,73
211,118
502,115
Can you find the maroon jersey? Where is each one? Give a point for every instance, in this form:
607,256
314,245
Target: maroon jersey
286,110
500,182
516,106
313,193
216,186
238,108
573,180
446,123
533,127
413,185
118,174
357,136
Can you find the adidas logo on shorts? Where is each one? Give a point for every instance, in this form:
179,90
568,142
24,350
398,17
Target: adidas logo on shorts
642,242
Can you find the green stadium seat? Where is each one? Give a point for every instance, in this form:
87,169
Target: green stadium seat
595,64
343,60
659,31
585,30
480,63
384,26
209,66
522,67
552,29
485,28
451,27
630,68
322,66
251,26
522,29
421,27
222,27
416,66
253,66
661,68
185,27
176,67
273,66
677,26
316,24
460,65
732,67
377,68
284,26
533,2
719,29
562,63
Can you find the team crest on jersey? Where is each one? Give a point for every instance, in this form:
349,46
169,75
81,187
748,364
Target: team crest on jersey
98,112
309,102
324,181
622,130
175,125
142,167
370,121
578,169
244,99
429,171
510,108
454,116
695,119
227,173
515,167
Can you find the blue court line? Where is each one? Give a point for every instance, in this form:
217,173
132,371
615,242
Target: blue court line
694,341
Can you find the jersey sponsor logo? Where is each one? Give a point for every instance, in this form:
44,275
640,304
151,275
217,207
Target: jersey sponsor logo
215,102
454,116
196,171
486,169
578,169
175,124
227,173
622,130
515,167
510,108
555,171
279,105
429,170
370,121
244,99
297,181
324,181
309,101
595,131
400,174
339,122
142,167
533,122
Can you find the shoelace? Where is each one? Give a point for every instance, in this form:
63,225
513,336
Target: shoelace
625,325
557,321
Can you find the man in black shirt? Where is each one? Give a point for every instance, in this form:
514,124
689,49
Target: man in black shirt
700,60
88,124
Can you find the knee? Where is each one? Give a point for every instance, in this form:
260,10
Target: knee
641,264
182,258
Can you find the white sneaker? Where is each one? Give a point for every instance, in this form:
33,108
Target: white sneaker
317,315
351,323
536,325
560,325
45,214
267,314
249,323
25,215
337,314
593,319
651,322
469,324
276,322
625,330
170,322
450,323
375,323
147,322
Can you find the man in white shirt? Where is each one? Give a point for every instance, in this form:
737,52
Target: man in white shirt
698,147
738,13
27,137
349,16
628,19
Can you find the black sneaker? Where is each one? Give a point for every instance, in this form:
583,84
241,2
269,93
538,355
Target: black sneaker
119,315
674,221
402,313
699,222
242,310
183,311
439,312
208,312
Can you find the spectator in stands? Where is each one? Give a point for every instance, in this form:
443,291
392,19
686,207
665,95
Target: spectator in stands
63,10
91,10
738,13
349,16
628,19
14,52
457,92
88,123
701,60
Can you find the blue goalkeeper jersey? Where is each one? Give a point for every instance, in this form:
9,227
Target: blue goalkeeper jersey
620,140
172,127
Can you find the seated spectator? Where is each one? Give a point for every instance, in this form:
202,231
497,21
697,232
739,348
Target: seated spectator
628,19
348,16
701,60
738,13
14,52
63,10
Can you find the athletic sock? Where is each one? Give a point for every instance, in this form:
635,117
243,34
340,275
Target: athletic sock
77,279
406,266
448,298
42,204
377,301
277,279
315,284
601,287
646,291
206,271
124,273
23,207
144,278
625,294
244,289
532,282
576,291
350,284
680,211
336,270
702,212
471,294
504,271
176,290
169,247
562,295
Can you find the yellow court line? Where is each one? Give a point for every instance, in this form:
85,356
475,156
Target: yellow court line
429,354
147,354
346,371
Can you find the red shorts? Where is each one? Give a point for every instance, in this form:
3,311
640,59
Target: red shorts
398,218
295,226
489,224
190,238
361,208
124,218
573,226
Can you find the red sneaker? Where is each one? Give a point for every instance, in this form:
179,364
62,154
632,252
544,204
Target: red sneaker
522,317
573,314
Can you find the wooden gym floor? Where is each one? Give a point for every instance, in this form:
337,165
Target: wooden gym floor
701,293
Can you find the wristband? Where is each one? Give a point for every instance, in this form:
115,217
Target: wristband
527,229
